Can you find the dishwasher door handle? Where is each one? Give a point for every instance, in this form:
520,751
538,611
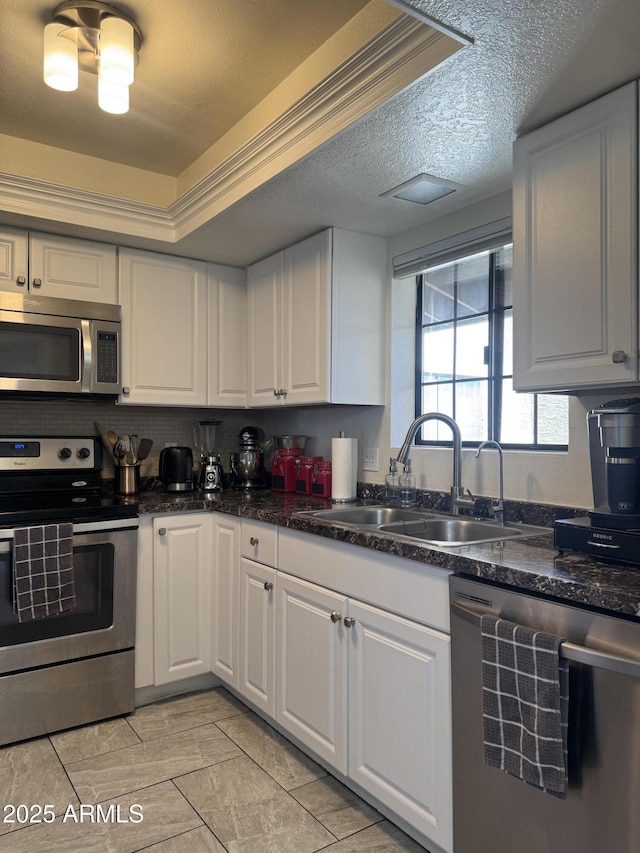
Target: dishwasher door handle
571,651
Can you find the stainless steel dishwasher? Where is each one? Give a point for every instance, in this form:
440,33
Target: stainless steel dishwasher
495,813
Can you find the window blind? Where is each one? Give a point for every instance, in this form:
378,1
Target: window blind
480,239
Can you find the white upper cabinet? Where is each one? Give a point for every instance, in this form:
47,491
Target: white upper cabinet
575,243
316,322
164,329
227,337
57,266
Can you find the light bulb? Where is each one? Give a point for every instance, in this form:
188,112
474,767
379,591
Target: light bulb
116,51
112,98
60,59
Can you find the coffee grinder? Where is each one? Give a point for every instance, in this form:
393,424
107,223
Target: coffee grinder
207,440
611,531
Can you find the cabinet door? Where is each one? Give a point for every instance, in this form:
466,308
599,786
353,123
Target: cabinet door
225,574
575,277
264,330
257,635
227,343
182,568
72,269
400,718
13,259
164,353
306,315
312,668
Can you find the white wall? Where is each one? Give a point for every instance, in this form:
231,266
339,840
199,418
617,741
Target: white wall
553,478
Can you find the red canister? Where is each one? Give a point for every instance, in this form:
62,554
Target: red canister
283,470
304,473
321,484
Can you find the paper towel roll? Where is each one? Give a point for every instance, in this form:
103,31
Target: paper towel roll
344,469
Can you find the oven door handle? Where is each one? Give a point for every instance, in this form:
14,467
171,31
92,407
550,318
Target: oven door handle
570,651
83,527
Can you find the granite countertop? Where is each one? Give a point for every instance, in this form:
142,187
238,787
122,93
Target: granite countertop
530,564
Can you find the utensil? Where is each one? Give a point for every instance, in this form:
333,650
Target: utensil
144,447
111,437
119,450
106,443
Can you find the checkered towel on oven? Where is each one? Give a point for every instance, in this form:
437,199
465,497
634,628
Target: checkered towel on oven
525,702
43,583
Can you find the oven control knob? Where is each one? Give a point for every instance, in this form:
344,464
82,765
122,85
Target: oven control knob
64,453
84,453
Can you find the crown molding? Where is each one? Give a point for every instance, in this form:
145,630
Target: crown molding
398,56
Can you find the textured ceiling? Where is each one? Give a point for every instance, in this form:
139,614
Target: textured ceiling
530,61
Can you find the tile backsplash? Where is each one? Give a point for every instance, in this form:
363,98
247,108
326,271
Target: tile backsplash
164,425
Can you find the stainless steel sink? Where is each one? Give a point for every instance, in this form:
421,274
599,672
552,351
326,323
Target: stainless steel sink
368,516
460,531
423,526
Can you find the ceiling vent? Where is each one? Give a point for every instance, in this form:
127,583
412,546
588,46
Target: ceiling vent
422,189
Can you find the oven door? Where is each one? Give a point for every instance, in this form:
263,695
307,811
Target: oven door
103,620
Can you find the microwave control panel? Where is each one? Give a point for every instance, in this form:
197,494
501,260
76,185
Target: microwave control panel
107,357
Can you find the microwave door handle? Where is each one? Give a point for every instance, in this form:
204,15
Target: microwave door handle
571,651
87,350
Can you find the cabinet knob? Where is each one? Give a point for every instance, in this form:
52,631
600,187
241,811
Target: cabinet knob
37,282
162,531
276,393
335,616
126,390
619,356
21,280
268,586
254,540
349,621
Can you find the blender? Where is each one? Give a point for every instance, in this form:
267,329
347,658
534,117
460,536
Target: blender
207,440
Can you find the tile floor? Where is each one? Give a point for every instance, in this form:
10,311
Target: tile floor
200,773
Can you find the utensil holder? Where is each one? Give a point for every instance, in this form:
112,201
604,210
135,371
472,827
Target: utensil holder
128,479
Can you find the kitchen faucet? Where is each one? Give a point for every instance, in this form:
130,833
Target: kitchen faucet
405,450
496,506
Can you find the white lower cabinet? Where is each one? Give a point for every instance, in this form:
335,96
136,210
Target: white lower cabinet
257,634
225,577
174,598
400,717
182,569
311,652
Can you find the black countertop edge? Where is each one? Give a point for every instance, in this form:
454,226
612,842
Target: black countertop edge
530,564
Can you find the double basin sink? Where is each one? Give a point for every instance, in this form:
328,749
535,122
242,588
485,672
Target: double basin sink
423,526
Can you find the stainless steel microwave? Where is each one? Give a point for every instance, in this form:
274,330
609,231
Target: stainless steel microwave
59,346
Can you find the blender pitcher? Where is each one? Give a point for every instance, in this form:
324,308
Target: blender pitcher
207,440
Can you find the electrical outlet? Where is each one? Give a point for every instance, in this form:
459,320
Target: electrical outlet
370,459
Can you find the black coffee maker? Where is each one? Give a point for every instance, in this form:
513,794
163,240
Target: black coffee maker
612,529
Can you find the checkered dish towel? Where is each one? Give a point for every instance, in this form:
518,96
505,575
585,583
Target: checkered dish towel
525,704
43,583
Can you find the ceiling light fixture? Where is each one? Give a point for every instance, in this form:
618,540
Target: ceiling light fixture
95,37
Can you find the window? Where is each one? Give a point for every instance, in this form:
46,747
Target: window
464,358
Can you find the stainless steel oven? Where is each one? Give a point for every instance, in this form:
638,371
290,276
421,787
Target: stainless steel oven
78,666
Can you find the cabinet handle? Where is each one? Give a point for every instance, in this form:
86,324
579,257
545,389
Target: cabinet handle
37,282
268,586
126,390
275,393
619,356
162,531
335,616
349,621
254,540
21,280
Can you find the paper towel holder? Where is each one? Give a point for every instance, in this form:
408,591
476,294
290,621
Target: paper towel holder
348,498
